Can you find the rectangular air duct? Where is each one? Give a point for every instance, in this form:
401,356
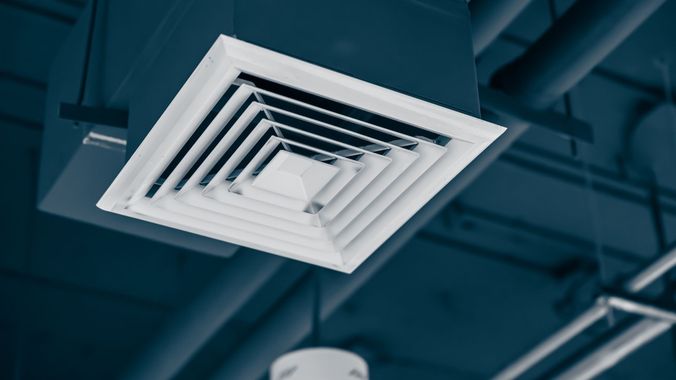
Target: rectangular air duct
378,99
270,152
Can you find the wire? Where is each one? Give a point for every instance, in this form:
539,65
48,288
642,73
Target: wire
664,66
87,53
591,199
316,309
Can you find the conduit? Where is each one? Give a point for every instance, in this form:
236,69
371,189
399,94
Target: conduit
579,40
490,18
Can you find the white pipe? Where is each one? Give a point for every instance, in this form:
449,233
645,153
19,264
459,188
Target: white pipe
637,283
652,272
647,311
615,350
554,342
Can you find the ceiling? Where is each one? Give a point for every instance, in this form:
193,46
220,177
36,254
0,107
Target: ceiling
511,259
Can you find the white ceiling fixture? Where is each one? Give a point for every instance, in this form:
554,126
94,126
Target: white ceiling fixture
280,155
319,363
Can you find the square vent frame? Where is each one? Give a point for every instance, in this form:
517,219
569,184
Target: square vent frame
191,171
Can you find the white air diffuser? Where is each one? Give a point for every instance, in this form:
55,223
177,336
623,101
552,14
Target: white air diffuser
280,155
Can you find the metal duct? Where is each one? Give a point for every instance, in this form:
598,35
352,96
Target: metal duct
565,53
490,18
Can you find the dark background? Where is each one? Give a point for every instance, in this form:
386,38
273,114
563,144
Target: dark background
511,259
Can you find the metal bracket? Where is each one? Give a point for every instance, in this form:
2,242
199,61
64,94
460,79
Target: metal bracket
94,115
652,310
502,104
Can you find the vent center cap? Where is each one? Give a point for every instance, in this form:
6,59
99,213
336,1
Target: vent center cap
295,176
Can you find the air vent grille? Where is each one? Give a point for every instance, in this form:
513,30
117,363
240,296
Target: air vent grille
273,153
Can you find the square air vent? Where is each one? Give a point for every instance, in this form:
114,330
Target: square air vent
280,155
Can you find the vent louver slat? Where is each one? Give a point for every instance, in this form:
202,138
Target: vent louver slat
266,151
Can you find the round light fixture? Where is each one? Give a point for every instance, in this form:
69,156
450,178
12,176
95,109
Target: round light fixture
319,363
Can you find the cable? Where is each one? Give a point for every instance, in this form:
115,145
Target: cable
591,200
87,53
316,309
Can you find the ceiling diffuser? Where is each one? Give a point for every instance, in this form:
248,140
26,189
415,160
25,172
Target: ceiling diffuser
270,152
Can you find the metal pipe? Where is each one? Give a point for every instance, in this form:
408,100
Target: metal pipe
490,17
633,307
637,283
554,342
187,331
651,273
577,42
615,350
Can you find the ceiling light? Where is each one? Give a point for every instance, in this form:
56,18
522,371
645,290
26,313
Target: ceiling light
319,363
